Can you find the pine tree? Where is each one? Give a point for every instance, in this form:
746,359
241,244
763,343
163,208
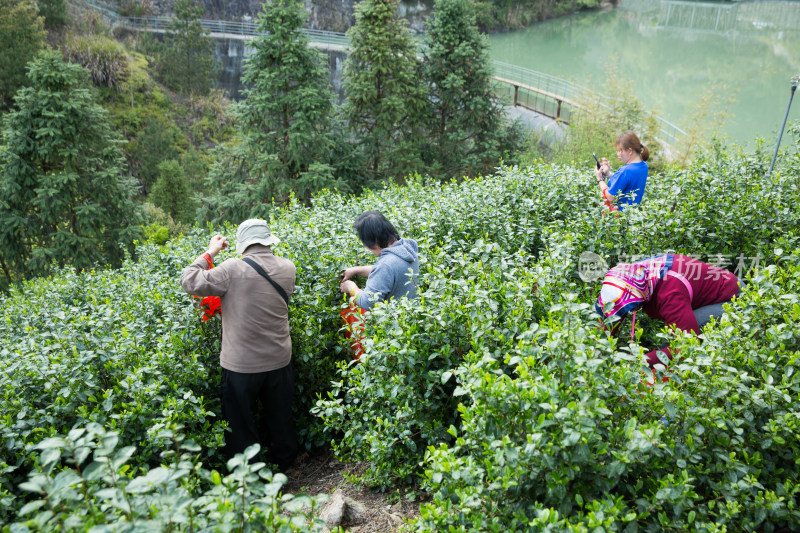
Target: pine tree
65,196
171,192
54,12
159,140
186,61
22,35
467,131
384,100
285,135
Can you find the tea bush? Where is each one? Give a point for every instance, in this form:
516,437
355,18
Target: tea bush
494,391
499,255
77,494
124,354
572,440
101,347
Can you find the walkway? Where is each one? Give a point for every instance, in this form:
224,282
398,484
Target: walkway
224,29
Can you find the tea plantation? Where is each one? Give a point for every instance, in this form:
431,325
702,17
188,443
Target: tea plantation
495,392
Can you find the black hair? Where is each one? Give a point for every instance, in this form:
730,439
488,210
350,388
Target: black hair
374,229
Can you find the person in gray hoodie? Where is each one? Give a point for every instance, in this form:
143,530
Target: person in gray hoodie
393,274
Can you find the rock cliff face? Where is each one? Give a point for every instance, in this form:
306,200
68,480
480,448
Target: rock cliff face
331,15
328,15
416,13
215,9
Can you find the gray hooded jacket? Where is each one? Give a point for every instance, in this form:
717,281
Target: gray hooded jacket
393,275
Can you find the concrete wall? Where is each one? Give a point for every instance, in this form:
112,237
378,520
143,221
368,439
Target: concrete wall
231,54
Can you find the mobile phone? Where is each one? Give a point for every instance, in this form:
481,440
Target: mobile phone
596,161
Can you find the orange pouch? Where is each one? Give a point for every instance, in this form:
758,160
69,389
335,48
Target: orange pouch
353,318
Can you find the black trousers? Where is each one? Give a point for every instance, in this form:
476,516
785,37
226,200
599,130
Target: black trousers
258,408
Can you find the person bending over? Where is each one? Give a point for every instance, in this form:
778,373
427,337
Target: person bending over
393,274
677,289
630,179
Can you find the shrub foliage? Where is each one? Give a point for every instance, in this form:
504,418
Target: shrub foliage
105,58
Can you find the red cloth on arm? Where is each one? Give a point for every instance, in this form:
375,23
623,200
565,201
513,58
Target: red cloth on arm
670,301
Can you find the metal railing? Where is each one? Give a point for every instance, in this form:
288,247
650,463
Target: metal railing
548,95
540,80
328,37
104,10
227,27
557,98
670,134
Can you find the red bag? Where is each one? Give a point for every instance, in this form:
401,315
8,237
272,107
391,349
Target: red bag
664,379
610,208
353,318
211,306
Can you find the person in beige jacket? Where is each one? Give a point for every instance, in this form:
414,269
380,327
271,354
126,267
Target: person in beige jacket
256,355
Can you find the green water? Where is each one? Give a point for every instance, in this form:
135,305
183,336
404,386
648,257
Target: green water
673,53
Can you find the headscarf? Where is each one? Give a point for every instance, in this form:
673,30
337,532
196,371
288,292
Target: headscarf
629,286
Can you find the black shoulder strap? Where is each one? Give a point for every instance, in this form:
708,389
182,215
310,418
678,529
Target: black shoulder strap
266,276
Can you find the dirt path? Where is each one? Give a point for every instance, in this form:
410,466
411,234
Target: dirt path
319,472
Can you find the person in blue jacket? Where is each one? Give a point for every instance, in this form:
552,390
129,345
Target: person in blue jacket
625,186
393,274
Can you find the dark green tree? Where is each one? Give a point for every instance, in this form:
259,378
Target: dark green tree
467,133
22,35
65,194
195,167
285,140
171,192
186,60
159,140
54,12
383,97
233,195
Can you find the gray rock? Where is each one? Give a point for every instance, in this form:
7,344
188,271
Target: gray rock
354,511
342,510
334,510
395,520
